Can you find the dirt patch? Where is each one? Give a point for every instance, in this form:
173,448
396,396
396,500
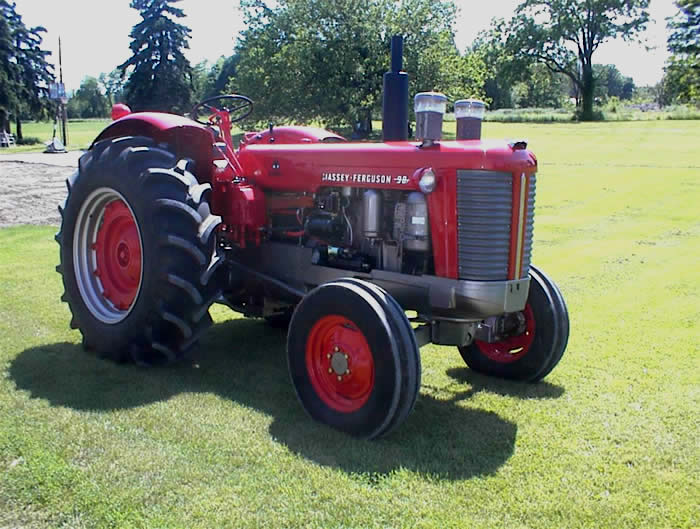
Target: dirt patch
31,192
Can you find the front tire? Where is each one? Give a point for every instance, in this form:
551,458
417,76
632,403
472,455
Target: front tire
353,358
531,355
138,253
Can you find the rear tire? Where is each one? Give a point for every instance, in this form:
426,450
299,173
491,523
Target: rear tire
138,253
532,355
353,358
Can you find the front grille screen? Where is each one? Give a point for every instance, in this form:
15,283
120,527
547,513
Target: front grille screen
484,202
529,227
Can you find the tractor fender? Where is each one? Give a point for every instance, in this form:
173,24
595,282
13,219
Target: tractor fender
186,138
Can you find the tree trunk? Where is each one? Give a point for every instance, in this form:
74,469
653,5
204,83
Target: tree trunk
587,92
4,123
18,126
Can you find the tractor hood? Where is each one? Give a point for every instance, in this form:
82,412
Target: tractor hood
391,165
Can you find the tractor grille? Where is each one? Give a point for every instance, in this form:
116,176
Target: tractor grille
484,202
529,226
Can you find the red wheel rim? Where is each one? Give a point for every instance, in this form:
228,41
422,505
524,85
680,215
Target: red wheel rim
340,364
118,255
514,347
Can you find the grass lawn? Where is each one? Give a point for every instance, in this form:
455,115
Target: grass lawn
608,440
80,134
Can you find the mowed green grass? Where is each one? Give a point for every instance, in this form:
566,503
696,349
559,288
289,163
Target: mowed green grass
608,440
80,134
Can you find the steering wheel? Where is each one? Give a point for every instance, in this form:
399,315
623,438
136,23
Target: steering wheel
236,106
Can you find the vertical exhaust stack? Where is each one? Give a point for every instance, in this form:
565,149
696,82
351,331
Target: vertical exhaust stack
395,97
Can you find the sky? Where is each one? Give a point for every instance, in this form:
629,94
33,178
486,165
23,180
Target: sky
95,33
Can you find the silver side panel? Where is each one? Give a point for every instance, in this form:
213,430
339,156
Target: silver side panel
429,295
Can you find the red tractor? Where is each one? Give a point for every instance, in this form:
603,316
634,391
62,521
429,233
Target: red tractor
337,240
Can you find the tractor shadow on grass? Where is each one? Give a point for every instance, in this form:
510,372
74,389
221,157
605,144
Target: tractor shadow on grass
244,361
505,388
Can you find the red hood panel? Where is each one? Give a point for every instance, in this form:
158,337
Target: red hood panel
306,167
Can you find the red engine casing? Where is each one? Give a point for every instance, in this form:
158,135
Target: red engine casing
394,165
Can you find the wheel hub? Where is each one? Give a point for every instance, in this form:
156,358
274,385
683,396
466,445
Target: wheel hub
340,363
118,255
515,346
123,255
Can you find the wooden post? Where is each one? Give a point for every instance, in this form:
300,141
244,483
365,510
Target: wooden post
64,114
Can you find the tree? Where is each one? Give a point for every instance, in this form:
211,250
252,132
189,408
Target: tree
324,60
200,77
88,101
540,89
504,68
219,75
682,72
609,82
23,68
8,73
160,76
564,35
112,84
211,80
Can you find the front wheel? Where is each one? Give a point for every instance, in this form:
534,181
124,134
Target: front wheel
353,358
531,354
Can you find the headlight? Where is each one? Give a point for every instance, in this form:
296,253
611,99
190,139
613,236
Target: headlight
427,181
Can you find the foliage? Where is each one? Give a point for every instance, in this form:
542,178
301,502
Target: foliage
210,80
530,115
564,35
29,140
200,75
542,88
24,70
219,75
8,74
88,101
681,81
516,80
324,60
609,82
160,76
504,67
112,84
685,27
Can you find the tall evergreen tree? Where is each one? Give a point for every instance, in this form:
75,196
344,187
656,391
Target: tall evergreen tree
160,76
24,71
8,73
682,72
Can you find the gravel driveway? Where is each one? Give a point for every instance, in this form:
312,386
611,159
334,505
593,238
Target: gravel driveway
33,185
